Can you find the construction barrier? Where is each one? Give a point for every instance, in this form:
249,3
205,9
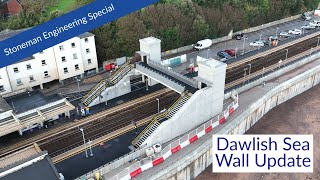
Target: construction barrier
177,145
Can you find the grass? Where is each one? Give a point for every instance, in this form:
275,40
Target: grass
62,5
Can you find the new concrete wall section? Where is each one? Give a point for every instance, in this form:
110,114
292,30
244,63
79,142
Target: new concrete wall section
121,88
198,109
193,163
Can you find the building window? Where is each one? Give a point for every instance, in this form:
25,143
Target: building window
75,56
65,70
89,61
76,67
2,88
46,74
63,59
16,70
31,78
61,48
88,50
19,82
28,66
73,45
43,62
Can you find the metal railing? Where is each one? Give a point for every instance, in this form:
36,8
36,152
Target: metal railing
180,77
158,118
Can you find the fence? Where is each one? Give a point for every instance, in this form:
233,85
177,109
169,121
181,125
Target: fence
175,146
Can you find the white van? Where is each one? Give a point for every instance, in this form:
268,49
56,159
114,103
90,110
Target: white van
203,44
315,23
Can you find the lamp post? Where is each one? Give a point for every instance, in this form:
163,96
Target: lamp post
84,141
277,32
318,41
90,147
249,72
78,81
262,72
208,53
244,41
244,76
158,105
235,53
287,54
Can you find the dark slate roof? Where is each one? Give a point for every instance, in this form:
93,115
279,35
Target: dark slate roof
4,106
85,35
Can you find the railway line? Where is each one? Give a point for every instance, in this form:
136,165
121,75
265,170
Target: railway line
234,73
100,124
106,124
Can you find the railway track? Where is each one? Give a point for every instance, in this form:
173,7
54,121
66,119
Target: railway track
52,134
104,125
101,124
235,73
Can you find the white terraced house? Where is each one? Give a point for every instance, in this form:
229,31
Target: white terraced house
72,58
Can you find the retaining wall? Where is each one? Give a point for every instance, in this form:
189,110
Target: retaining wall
195,161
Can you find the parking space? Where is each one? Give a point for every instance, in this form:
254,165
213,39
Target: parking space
243,46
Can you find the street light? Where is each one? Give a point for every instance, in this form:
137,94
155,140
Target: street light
244,41
318,41
90,147
158,105
287,54
78,80
244,76
277,32
260,36
249,69
235,53
208,53
84,141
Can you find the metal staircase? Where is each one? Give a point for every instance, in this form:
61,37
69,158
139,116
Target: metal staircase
104,84
156,121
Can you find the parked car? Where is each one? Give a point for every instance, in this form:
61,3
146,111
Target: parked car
203,44
231,52
223,54
315,23
308,27
239,36
257,43
284,34
306,16
295,32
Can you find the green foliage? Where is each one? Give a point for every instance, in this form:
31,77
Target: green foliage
175,22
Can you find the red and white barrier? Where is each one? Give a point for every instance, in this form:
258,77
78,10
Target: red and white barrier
181,143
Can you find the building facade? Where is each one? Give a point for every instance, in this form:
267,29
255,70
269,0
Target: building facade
67,60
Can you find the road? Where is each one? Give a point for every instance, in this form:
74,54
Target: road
238,44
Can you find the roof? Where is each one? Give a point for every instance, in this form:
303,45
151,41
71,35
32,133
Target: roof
19,156
4,106
85,35
150,40
28,163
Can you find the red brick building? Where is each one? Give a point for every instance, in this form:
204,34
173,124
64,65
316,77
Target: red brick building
9,7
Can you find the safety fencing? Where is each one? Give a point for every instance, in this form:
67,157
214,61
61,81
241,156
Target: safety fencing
147,163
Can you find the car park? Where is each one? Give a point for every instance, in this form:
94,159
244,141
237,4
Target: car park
224,55
258,43
295,32
284,34
231,52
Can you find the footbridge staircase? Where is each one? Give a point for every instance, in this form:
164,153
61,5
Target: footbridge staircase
96,91
156,121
